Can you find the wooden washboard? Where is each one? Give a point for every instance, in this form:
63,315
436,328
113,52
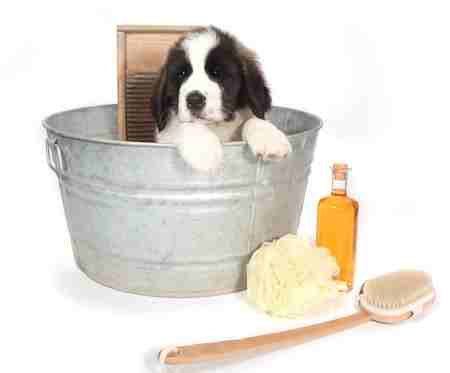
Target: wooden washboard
141,51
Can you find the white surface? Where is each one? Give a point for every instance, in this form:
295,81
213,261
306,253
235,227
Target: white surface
376,72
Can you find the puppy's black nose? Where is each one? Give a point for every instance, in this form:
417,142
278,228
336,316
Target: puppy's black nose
195,101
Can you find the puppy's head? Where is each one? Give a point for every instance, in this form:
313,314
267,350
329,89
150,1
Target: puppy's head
207,76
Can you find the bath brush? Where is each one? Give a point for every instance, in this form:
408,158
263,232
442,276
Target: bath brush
390,298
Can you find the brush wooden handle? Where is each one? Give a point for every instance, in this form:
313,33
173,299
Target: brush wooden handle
219,350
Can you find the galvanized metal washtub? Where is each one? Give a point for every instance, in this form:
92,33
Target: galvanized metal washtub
141,221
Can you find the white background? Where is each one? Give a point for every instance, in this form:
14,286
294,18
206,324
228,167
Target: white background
376,72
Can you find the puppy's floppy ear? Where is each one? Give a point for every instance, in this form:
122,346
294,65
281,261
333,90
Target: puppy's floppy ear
159,99
254,91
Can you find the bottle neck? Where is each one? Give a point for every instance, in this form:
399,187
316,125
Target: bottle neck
339,185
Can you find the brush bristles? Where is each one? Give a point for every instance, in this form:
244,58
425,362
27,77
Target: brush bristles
396,292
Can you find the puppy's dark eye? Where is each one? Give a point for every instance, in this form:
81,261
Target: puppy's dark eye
182,72
216,71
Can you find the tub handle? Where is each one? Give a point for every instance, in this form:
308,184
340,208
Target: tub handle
55,159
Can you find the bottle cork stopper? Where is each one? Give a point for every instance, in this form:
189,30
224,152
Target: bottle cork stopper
340,171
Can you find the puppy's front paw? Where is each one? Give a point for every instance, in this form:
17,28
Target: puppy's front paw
266,140
201,149
202,158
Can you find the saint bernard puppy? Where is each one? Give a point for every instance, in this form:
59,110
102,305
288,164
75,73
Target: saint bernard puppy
211,90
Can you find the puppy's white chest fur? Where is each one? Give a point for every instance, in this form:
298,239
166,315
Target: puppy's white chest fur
225,131
228,131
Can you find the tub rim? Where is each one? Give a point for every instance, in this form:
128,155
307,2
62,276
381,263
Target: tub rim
49,128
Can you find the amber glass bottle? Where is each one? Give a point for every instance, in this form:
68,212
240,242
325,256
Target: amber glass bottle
337,218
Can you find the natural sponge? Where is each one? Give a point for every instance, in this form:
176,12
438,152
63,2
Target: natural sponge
290,277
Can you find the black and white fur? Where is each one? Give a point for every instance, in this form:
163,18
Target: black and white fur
211,90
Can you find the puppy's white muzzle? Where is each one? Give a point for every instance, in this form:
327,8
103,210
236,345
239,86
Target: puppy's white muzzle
211,110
